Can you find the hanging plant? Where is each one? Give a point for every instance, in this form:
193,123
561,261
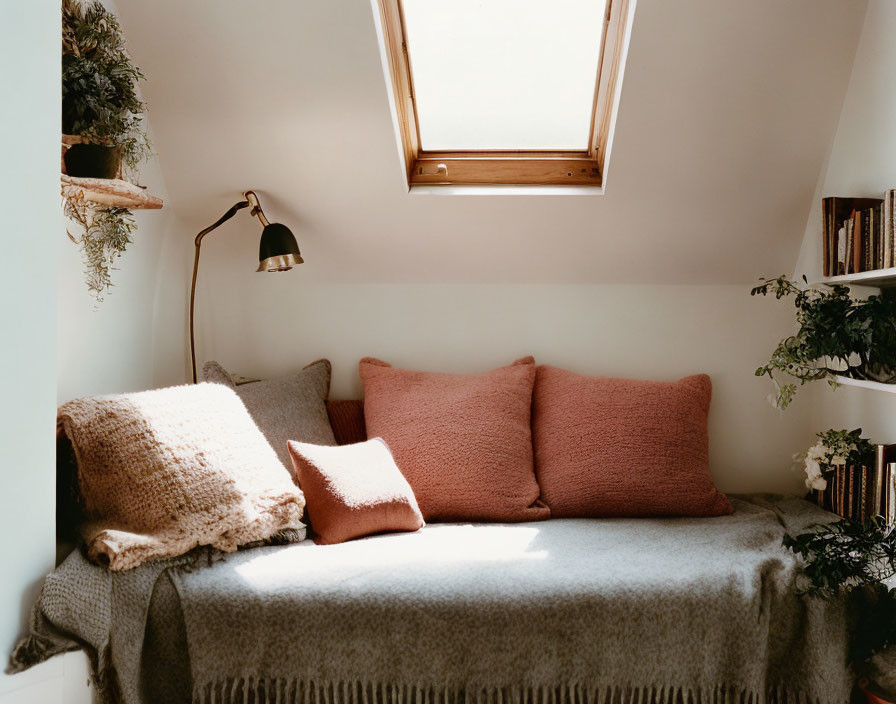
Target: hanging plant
837,336
104,116
105,234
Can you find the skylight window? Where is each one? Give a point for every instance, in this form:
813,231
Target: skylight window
505,91
504,74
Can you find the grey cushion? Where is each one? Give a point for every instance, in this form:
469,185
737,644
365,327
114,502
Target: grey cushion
284,408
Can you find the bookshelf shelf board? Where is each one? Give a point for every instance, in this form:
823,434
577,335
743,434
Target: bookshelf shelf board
109,193
876,385
882,278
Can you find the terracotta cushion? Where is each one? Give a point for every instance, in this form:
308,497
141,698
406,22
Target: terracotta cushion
347,421
353,490
463,441
622,447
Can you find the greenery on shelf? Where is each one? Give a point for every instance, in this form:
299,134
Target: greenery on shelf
837,335
106,233
101,105
99,82
852,561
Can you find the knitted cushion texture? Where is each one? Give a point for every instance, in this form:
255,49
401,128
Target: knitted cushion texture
463,441
290,407
347,421
164,471
623,447
354,490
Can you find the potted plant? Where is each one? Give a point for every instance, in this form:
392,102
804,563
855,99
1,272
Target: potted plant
837,335
101,112
855,562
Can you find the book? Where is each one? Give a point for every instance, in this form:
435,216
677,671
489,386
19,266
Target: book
878,496
889,228
890,500
834,211
841,250
863,495
867,244
848,234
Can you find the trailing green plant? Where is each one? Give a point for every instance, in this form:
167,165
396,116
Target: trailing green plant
99,96
852,561
837,335
105,234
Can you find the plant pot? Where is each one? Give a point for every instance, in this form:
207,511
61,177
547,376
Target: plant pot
882,373
93,161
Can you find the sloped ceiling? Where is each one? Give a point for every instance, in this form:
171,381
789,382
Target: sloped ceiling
728,109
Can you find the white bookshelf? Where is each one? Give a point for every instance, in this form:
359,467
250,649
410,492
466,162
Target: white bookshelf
881,278
862,383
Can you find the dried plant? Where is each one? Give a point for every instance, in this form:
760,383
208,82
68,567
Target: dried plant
105,234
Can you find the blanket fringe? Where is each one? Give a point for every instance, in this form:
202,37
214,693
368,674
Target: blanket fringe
261,690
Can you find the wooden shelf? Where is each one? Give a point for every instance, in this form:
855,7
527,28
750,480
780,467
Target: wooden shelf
882,278
110,193
862,383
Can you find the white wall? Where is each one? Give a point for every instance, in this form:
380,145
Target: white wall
57,344
113,346
268,324
29,80
862,162
727,110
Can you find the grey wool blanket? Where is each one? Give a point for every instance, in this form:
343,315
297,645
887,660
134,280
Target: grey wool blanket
571,611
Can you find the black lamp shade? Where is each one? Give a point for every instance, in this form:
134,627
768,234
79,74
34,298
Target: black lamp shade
278,250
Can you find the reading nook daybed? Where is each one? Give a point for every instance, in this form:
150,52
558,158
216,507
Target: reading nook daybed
702,607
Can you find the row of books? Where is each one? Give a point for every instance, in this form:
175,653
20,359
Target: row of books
861,493
859,234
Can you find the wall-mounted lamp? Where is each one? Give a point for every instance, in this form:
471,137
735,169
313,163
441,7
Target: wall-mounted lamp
277,251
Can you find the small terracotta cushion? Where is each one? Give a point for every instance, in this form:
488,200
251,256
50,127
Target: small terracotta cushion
463,441
622,447
353,490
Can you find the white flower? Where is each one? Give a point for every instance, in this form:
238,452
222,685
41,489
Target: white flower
817,451
813,469
819,483
838,460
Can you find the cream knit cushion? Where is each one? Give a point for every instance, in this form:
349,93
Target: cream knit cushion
164,471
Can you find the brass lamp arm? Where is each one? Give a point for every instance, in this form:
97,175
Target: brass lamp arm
256,207
220,221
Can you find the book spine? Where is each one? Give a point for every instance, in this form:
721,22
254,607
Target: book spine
889,226
848,235
848,492
863,495
858,255
841,249
876,218
841,491
827,217
867,251
890,479
877,488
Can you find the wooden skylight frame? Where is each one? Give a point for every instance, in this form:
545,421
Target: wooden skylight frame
513,167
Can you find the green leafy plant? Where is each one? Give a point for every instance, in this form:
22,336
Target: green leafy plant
837,335
105,234
99,96
852,561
